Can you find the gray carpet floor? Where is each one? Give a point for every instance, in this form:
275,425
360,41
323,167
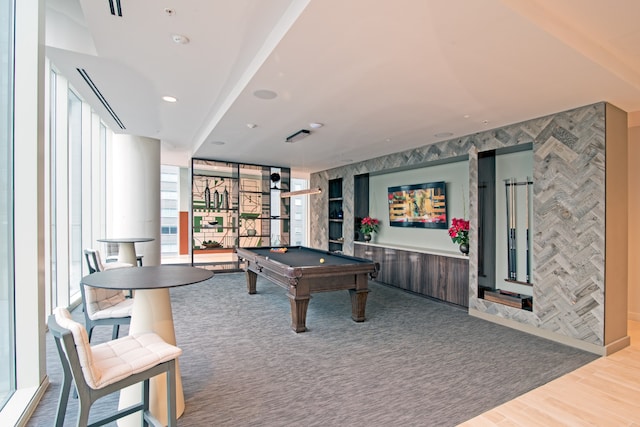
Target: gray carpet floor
413,362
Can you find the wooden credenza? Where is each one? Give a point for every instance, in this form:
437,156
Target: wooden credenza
436,274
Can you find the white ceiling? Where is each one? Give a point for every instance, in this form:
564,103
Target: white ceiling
382,75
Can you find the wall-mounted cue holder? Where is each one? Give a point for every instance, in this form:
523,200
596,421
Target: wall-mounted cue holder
518,229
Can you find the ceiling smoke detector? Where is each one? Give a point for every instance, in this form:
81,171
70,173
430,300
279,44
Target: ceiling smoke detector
179,39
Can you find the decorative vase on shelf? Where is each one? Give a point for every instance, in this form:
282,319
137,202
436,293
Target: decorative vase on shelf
214,201
224,201
207,196
464,248
367,238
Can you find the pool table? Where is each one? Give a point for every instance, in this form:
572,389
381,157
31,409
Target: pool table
303,271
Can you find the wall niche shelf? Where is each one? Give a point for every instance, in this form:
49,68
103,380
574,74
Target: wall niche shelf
499,280
236,205
335,229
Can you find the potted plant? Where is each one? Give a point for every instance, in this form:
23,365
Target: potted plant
459,233
369,226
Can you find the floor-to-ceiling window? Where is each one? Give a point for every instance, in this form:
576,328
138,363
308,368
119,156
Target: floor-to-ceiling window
7,352
75,142
169,209
299,205
51,255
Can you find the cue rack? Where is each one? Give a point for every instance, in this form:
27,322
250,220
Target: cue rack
511,193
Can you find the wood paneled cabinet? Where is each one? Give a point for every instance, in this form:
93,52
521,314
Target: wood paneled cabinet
437,276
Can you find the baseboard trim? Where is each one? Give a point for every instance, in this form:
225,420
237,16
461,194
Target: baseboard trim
22,404
572,342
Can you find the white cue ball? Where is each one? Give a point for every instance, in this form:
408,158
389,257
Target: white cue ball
321,260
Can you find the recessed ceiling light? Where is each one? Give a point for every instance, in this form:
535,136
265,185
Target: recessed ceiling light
265,94
316,125
217,143
169,98
169,11
443,134
179,39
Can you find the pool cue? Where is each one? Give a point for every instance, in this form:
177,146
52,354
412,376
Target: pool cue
507,188
512,232
526,204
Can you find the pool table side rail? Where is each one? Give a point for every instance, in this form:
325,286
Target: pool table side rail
254,261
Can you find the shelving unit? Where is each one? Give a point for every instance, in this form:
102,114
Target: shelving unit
236,205
360,204
336,236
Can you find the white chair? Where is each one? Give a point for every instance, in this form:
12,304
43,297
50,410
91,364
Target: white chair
109,367
94,262
105,307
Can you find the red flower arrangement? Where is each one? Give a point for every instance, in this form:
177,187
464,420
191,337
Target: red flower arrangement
459,231
369,225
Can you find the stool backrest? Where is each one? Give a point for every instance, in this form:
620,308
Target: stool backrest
98,299
73,345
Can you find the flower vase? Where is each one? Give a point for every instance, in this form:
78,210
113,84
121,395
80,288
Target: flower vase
367,238
464,248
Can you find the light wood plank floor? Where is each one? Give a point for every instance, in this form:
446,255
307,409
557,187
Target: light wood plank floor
605,392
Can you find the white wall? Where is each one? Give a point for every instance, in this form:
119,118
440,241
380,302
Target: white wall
456,175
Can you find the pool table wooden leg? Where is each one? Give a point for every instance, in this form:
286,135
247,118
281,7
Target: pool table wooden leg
298,312
251,282
358,303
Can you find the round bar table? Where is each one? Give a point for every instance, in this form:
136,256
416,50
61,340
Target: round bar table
151,312
127,248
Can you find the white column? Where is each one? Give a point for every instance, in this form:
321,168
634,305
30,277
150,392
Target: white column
133,186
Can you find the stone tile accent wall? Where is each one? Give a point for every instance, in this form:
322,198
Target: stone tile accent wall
568,214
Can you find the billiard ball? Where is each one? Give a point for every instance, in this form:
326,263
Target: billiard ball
321,260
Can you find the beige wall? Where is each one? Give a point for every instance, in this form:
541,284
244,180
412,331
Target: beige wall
634,213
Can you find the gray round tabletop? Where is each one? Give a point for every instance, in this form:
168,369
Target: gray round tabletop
152,277
127,240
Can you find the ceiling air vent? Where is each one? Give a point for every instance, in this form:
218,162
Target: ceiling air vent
97,92
115,7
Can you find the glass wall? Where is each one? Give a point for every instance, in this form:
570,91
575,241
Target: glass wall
7,351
